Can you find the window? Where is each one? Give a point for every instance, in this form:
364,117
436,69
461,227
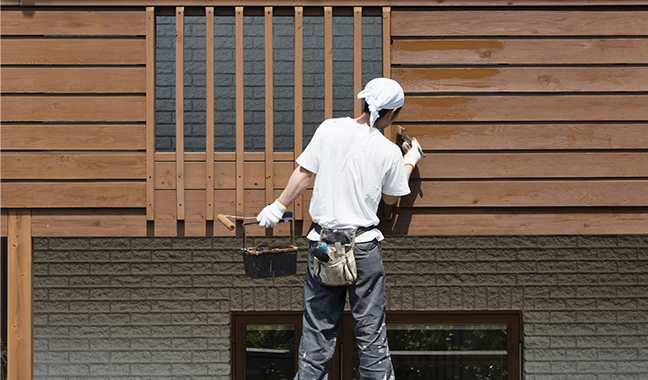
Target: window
484,345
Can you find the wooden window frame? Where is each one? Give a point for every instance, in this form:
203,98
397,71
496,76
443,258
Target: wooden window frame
511,318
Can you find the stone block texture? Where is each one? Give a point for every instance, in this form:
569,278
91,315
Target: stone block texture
254,78
159,308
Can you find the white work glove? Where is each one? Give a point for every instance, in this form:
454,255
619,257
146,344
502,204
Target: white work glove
414,154
271,215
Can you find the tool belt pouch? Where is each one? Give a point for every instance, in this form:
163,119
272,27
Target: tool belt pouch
341,269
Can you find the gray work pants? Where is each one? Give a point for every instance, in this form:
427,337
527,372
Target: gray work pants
323,314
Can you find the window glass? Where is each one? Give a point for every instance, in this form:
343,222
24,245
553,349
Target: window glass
449,352
269,352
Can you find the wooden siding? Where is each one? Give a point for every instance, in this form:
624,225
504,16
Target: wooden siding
534,121
74,108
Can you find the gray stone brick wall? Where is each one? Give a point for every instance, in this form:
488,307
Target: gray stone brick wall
159,308
254,78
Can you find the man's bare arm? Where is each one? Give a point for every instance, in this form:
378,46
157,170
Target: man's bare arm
297,184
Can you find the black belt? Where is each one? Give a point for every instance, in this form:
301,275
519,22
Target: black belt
359,231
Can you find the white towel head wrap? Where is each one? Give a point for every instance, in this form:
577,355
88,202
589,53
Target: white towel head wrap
382,93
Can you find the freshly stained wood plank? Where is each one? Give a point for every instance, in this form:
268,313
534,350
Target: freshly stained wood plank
269,107
166,222
73,51
73,136
224,175
529,136
73,194
328,62
299,92
497,222
209,135
224,156
179,113
527,193
73,22
89,222
73,108
519,23
357,59
20,295
150,113
73,80
77,165
387,60
533,165
3,222
525,108
240,113
520,51
521,79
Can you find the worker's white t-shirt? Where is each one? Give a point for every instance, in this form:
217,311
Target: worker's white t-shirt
355,164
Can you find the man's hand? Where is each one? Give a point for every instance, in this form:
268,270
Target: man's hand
414,154
271,215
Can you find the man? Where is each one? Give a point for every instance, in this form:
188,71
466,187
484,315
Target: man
356,165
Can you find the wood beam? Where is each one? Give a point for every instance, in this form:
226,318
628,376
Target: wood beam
20,308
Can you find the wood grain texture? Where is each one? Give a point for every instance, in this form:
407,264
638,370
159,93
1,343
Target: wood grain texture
73,108
72,137
498,222
523,108
73,194
209,133
533,165
89,222
521,79
115,80
77,165
545,193
150,112
73,22
519,23
179,112
20,295
520,51
529,136
224,175
269,106
73,51
3,222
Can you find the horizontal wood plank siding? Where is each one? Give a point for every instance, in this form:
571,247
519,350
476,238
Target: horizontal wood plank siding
542,136
525,108
116,80
88,222
130,194
73,108
73,22
73,137
520,23
73,51
418,221
519,51
77,165
530,118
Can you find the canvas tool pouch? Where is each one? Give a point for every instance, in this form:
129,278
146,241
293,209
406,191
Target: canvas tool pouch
341,269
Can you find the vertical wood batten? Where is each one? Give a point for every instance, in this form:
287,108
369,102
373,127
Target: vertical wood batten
299,116
386,51
20,300
180,193
269,114
357,59
150,113
209,160
328,62
240,142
